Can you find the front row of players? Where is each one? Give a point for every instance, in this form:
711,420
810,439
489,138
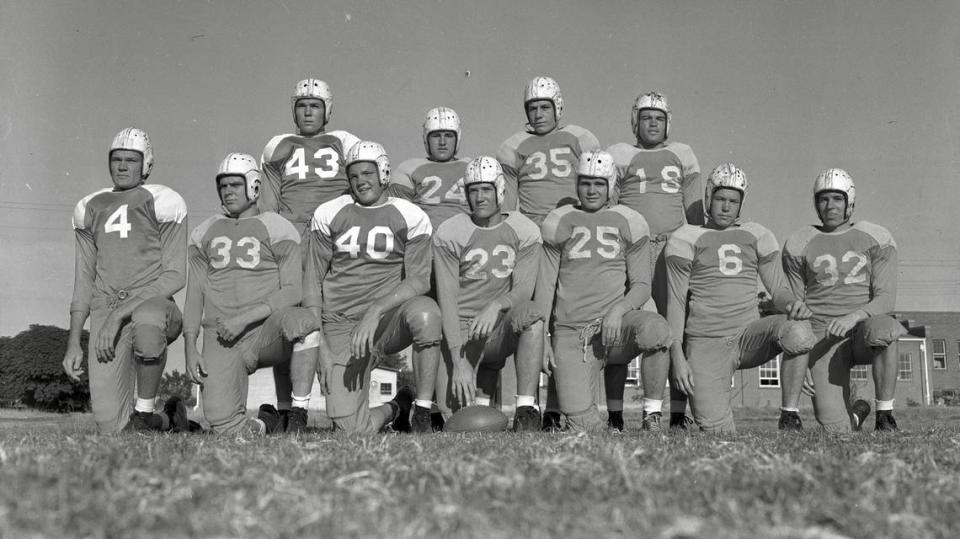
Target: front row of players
499,286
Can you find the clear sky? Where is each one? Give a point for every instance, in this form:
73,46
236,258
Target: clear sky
782,88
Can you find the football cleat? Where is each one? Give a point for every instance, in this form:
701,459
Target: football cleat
177,413
860,410
615,420
526,419
651,422
790,421
402,404
145,422
436,421
885,421
551,422
271,418
681,421
296,420
421,421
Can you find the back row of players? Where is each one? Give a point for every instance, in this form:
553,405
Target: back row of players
320,264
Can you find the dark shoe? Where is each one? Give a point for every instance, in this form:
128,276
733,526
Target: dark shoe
681,421
651,421
436,421
615,420
177,413
885,421
790,421
296,420
145,422
860,411
421,421
284,419
551,422
270,417
526,419
402,405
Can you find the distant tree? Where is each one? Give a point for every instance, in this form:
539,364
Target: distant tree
177,383
31,370
405,376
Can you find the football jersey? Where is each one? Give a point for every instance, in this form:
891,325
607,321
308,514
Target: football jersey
478,265
592,260
541,170
436,187
663,184
238,263
362,253
839,272
131,241
300,173
713,278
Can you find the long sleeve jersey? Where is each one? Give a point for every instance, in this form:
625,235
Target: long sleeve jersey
436,187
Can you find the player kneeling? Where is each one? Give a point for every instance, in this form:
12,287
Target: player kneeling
245,281
486,264
712,273
367,270
595,272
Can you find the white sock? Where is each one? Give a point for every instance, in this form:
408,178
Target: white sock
145,405
785,409
652,405
884,406
423,403
527,400
482,401
302,402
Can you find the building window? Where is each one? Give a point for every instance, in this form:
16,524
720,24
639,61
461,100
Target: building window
939,354
858,372
905,367
770,373
386,389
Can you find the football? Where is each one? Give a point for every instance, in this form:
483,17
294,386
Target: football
477,419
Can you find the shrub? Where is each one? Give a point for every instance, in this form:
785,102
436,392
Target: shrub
31,370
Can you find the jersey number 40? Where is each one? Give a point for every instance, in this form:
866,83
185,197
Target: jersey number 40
378,245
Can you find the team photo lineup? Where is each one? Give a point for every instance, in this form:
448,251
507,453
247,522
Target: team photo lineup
329,255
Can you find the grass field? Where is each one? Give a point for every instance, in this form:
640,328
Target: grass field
60,479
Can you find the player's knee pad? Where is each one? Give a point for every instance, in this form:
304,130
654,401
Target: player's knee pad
796,337
296,323
652,333
525,315
423,319
585,420
149,341
880,331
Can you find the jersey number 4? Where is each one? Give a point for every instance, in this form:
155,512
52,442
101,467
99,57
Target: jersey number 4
349,242
327,162
117,222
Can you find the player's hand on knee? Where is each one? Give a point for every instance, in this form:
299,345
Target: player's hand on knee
798,310
325,372
230,329
841,326
195,367
612,326
107,337
482,325
808,388
680,368
463,382
361,338
73,362
549,358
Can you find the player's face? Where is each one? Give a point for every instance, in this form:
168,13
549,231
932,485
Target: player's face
233,195
483,200
725,207
832,208
651,127
126,169
365,183
592,192
310,114
442,145
542,116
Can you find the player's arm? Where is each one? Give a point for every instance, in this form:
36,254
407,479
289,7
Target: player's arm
679,260
883,279
637,258
510,163
692,189
315,268
270,194
401,183
773,279
84,272
173,266
446,264
193,310
523,280
794,269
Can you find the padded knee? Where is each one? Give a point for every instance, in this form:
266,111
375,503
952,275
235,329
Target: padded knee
652,333
525,315
423,319
153,328
297,322
796,337
881,331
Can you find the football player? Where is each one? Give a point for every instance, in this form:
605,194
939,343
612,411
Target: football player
300,172
130,260
595,273
540,165
661,180
245,279
368,268
436,182
486,265
846,273
712,272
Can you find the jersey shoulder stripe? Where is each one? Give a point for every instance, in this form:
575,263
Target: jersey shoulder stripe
403,174
685,153
279,228
196,236
325,213
682,241
346,139
418,223
588,141
80,210
635,222
507,154
766,241
622,153
454,230
799,240
528,233
167,203
271,147
551,224
877,232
